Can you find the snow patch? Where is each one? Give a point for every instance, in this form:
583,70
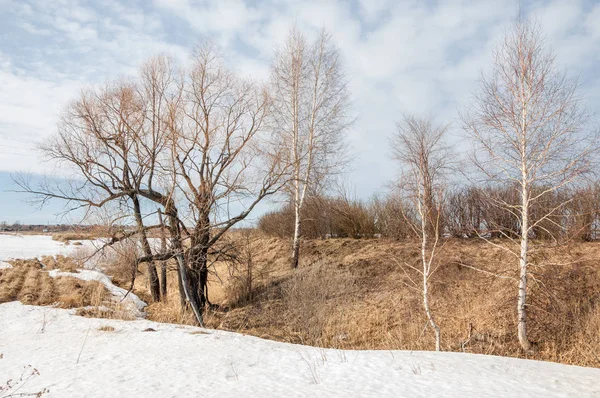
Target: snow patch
76,359
131,300
5,265
31,246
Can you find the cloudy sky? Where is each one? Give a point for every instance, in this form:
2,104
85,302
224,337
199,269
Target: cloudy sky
421,57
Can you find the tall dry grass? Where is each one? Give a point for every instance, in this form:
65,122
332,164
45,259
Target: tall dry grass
29,283
355,294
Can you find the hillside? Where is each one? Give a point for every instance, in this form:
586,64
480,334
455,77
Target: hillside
357,294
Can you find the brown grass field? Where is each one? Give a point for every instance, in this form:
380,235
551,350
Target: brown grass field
30,284
357,294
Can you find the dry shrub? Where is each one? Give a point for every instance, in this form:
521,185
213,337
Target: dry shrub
324,217
586,341
310,296
66,237
246,274
106,328
119,262
353,294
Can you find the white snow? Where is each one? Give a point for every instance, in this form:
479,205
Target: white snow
134,304
180,361
30,246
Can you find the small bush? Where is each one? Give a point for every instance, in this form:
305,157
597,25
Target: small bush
307,295
69,236
106,328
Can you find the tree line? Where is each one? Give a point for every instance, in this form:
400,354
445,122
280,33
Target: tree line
466,213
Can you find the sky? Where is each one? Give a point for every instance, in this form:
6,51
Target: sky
419,57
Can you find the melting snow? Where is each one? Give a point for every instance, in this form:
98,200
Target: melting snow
30,246
136,306
181,361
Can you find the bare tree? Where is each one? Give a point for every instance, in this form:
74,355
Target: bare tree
222,165
193,143
419,147
99,137
528,129
310,115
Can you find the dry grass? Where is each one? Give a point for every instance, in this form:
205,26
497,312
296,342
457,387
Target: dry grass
30,284
353,294
168,311
66,237
106,328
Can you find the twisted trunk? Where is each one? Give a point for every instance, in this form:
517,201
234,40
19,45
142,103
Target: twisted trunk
152,274
163,249
185,287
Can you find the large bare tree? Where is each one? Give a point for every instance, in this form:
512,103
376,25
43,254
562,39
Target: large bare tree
192,143
529,132
419,147
100,138
310,115
222,165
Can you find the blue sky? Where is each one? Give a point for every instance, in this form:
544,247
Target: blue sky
421,57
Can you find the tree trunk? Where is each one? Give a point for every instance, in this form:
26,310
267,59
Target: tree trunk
163,265
198,261
434,325
152,274
185,286
521,302
426,273
296,242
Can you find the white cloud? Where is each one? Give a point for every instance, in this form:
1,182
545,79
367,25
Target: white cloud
407,56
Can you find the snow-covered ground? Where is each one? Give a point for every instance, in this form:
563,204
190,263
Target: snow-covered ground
75,359
30,246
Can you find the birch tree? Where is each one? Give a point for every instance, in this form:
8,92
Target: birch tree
419,147
529,134
310,115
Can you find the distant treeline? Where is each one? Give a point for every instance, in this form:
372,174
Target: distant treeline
468,212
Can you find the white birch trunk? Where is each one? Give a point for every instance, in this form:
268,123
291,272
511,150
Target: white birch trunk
522,299
426,272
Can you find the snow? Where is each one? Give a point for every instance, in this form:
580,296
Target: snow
134,304
74,358
30,246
